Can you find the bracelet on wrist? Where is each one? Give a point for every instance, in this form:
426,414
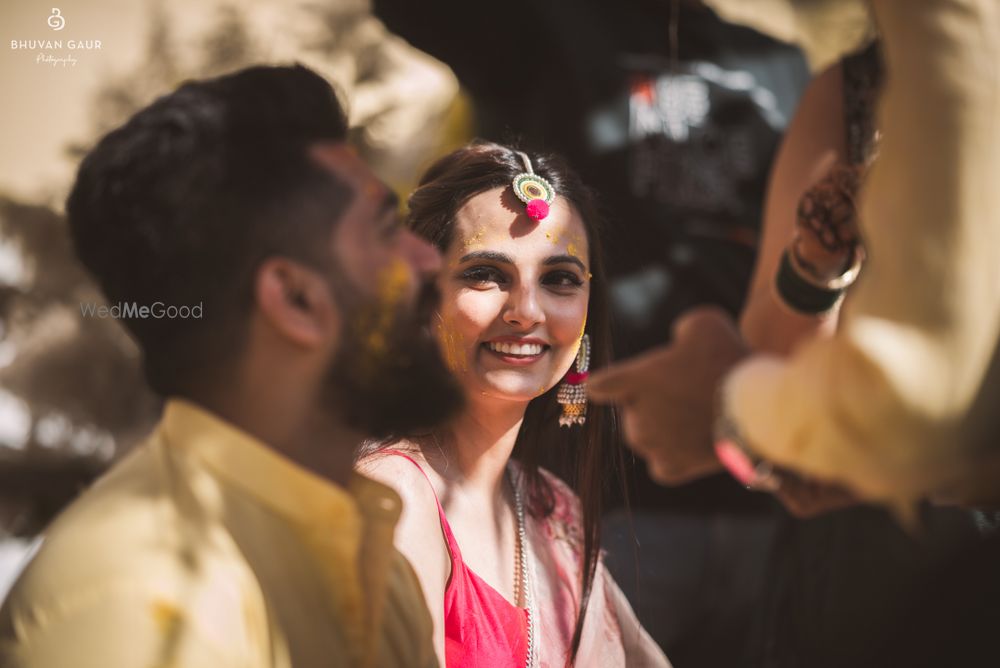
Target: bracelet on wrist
804,293
751,471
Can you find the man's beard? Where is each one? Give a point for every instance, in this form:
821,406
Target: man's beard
388,377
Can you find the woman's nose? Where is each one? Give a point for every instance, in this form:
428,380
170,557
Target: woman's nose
523,309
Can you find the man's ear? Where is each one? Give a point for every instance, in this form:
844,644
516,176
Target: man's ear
296,301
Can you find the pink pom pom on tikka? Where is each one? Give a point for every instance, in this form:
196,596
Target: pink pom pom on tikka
533,190
537,209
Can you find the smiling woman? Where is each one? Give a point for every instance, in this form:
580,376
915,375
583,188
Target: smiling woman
515,575
515,294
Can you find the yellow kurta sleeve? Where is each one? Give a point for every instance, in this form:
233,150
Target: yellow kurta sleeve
113,629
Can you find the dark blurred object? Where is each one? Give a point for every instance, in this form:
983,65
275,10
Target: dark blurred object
838,584
697,585
33,491
951,616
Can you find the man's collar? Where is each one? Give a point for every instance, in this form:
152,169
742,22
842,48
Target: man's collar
268,475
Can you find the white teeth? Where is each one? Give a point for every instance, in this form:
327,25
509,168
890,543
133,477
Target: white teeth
521,349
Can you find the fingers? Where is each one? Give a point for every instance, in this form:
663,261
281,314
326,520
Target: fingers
664,473
700,319
808,498
619,382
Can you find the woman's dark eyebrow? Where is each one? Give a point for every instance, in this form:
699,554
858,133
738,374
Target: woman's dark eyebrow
560,259
491,256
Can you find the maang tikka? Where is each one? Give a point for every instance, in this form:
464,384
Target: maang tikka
573,390
537,193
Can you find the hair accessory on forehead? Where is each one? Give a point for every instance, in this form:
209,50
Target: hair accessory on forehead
533,190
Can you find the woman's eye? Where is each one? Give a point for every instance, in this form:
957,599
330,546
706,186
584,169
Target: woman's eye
563,279
483,275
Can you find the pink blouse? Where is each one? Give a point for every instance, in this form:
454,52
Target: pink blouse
482,628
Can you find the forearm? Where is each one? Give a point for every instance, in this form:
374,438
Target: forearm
813,142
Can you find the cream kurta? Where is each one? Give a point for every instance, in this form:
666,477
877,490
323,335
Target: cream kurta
205,548
882,405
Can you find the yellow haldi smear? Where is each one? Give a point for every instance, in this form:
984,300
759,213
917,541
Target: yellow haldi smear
376,323
166,615
453,346
476,239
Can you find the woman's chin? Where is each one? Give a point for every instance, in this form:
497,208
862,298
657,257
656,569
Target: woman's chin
504,390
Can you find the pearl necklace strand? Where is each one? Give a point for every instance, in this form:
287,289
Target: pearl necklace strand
524,585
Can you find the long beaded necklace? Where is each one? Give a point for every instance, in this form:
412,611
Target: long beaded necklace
524,585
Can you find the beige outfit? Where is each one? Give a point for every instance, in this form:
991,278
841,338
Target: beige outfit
205,548
882,405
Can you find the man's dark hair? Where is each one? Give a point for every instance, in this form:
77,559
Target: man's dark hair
182,203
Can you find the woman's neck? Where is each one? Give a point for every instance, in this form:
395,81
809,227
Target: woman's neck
476,446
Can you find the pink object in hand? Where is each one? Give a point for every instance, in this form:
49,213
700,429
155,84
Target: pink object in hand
537,209
736,461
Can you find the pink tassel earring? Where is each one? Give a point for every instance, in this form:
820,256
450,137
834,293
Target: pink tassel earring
573,390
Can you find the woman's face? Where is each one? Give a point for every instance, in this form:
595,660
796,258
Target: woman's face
514,296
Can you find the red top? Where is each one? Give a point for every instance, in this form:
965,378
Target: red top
481,627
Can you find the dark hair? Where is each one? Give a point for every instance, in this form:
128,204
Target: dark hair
591,455
182,203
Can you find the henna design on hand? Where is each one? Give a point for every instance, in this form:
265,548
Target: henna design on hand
828,212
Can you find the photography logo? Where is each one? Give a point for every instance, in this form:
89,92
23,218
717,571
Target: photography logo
56,52
56,21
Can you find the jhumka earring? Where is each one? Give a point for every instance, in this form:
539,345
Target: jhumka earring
537,193
573,390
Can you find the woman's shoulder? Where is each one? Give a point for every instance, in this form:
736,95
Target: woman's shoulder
400,467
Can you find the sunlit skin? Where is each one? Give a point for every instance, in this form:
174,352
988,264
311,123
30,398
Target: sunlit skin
520,283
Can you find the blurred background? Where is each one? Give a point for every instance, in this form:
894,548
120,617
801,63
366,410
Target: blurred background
671,114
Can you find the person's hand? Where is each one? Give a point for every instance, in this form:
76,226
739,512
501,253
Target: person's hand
805,497
667,395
